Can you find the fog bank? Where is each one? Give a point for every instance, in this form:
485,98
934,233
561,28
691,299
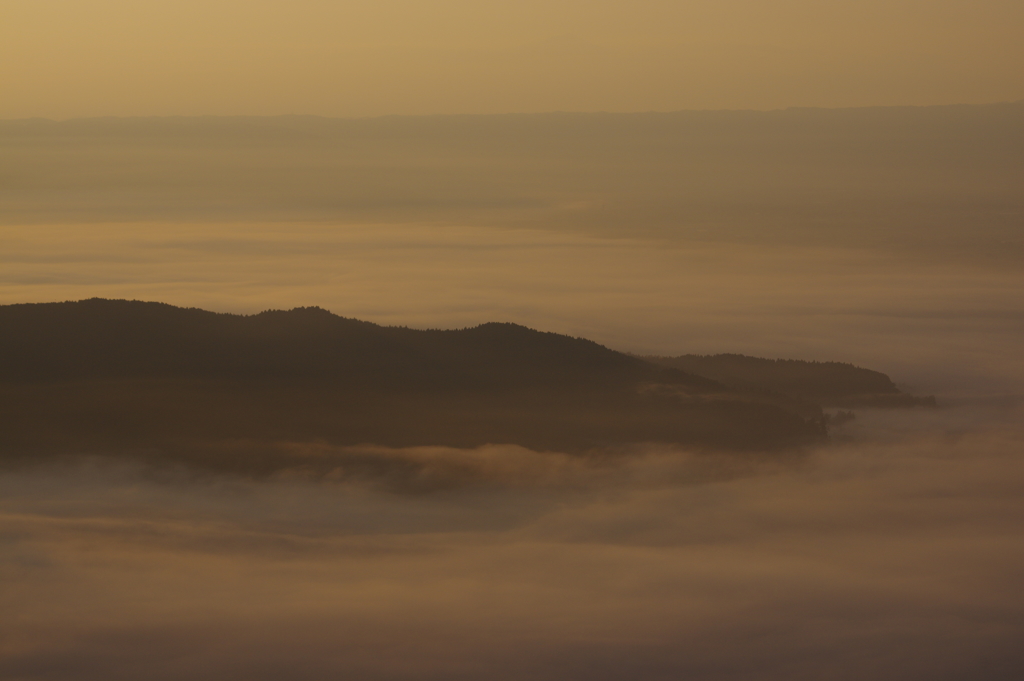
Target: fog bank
894,553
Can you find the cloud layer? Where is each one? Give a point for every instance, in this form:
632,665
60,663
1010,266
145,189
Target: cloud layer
893,554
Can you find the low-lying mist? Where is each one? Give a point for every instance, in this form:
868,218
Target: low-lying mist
894,553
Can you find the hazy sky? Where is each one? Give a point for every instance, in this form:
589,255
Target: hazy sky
353,58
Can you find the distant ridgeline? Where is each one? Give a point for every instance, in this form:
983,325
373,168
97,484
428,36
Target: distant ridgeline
828,384
229,392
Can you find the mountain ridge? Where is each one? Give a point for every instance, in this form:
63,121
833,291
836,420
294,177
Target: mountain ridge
76,340
191,386
827,384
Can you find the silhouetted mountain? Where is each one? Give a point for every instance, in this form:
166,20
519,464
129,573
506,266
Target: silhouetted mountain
225,391
106,339
831,384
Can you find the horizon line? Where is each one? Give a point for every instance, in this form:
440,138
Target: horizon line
553,112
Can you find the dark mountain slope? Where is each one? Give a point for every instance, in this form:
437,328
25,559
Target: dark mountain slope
220,390
99,338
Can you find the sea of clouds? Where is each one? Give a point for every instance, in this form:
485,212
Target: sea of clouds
895,552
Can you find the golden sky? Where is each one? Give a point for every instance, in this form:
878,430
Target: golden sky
62,59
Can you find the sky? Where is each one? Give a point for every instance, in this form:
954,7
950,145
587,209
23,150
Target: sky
65,59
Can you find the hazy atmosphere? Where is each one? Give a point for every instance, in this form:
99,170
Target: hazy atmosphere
488,340
363,58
